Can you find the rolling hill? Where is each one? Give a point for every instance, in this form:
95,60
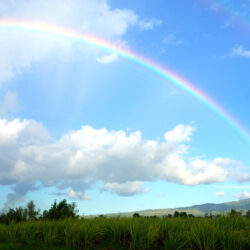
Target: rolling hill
198,210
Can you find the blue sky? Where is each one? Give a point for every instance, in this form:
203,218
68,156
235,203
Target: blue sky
82,124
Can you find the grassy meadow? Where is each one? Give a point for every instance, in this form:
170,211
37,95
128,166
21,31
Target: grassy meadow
223,232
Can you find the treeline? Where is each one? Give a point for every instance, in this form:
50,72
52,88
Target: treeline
183,214
176,214
57,211
63,210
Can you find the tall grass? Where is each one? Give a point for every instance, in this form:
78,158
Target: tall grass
133,233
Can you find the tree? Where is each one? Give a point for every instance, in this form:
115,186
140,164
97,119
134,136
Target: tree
233,212
183,214
176,214
136,215
16,215
248,214
32,213
60,211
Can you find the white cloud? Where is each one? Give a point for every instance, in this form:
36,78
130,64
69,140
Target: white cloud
19,49
74,195
126,189
78,195
107,58
9,104
242,195
149,24
179,134
239,50
121,161
220,193
171,39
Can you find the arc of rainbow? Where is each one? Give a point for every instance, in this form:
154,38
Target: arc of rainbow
164,72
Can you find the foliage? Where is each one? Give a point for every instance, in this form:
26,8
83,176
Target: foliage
136,215
233,212
225,232
248,214
55,230
59,211
181,214
20,214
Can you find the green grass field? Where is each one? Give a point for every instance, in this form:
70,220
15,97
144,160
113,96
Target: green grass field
129,233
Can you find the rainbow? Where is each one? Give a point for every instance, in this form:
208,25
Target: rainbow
134,57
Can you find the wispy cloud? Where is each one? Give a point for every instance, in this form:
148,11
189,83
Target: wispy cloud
72,194
107,59
220,193
126,189
171,39
232,187
242,195
239,50
149,24
215,7
9,104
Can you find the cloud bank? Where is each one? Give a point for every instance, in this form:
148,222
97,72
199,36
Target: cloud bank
121,161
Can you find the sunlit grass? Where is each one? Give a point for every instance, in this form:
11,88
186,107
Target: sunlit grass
132,233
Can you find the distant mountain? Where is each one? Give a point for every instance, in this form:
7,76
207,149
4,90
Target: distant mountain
198,210
243,205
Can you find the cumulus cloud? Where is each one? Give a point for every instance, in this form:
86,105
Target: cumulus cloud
220,193
121,161
149,24
179,134
239,50
78,195
126,189
77,188
107,58
19,49
242,195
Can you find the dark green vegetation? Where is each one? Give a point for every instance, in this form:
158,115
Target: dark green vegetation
61,228
225,232
57,211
